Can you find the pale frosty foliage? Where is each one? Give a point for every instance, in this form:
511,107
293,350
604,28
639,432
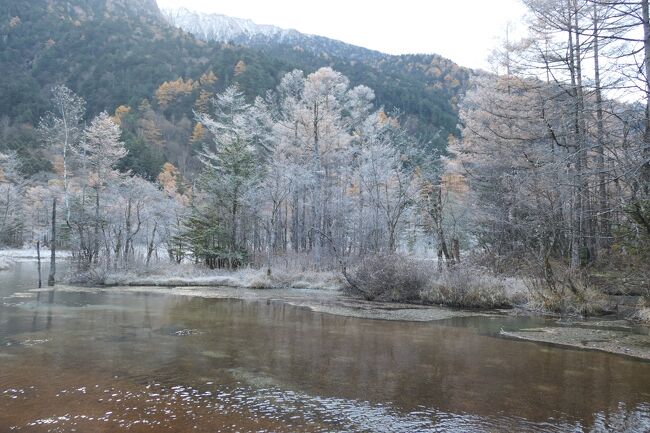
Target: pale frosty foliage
102,147
61,126
398,278
171,275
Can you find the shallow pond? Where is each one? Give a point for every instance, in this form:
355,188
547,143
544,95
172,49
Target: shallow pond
104,362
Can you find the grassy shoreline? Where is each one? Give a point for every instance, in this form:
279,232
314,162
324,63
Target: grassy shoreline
605,335
328,292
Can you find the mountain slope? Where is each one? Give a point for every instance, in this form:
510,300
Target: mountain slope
425,88
111,52
124,53
223,28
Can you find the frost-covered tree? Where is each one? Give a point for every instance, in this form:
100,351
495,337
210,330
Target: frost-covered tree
329,133
100,151
231,169
387,180
313,170
12,185
62,129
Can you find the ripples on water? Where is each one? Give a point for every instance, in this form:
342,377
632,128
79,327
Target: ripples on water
104,363
158,407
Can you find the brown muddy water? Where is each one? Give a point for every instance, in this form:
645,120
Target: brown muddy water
109,362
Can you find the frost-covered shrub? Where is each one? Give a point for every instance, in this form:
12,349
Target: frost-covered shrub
401,279
642,313
299,279
390,277
469,287
94,276
565,293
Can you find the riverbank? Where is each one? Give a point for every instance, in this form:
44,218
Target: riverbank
324,292
190,276
620,337
150,350
605,336
323,301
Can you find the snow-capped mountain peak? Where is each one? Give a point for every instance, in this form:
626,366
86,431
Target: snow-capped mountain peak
222,28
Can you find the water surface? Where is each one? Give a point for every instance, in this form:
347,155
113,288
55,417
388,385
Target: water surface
105,362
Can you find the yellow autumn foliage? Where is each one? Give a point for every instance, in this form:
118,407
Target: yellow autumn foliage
202,103
198,133
207,79
240,67
169,179
120,112
170,90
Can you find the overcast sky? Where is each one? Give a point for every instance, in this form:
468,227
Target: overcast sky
462,30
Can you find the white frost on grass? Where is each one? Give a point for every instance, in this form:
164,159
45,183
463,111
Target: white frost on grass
31,253
187,275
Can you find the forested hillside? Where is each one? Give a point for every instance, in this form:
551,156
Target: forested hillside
280,146
152,138
426,88
112,53
122,53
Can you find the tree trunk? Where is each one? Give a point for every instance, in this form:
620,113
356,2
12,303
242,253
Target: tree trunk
455,249
318,203
128,231
150,248
233,217
38,256
295,224
442,243
65,167
603,226
50,279
270,244
583,194
577,229
645,169
96,240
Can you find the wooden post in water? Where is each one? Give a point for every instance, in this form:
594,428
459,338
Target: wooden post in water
38,255
50,279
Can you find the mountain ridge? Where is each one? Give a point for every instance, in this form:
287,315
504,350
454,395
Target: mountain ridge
229,29
122,53
438,82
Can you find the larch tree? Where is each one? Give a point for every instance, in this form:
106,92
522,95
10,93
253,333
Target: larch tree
101,149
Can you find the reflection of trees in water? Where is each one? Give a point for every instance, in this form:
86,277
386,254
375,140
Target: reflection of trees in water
452,368
623,420
441,368
46,297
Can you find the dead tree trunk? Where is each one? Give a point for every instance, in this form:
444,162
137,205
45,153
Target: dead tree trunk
38,256
50,278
